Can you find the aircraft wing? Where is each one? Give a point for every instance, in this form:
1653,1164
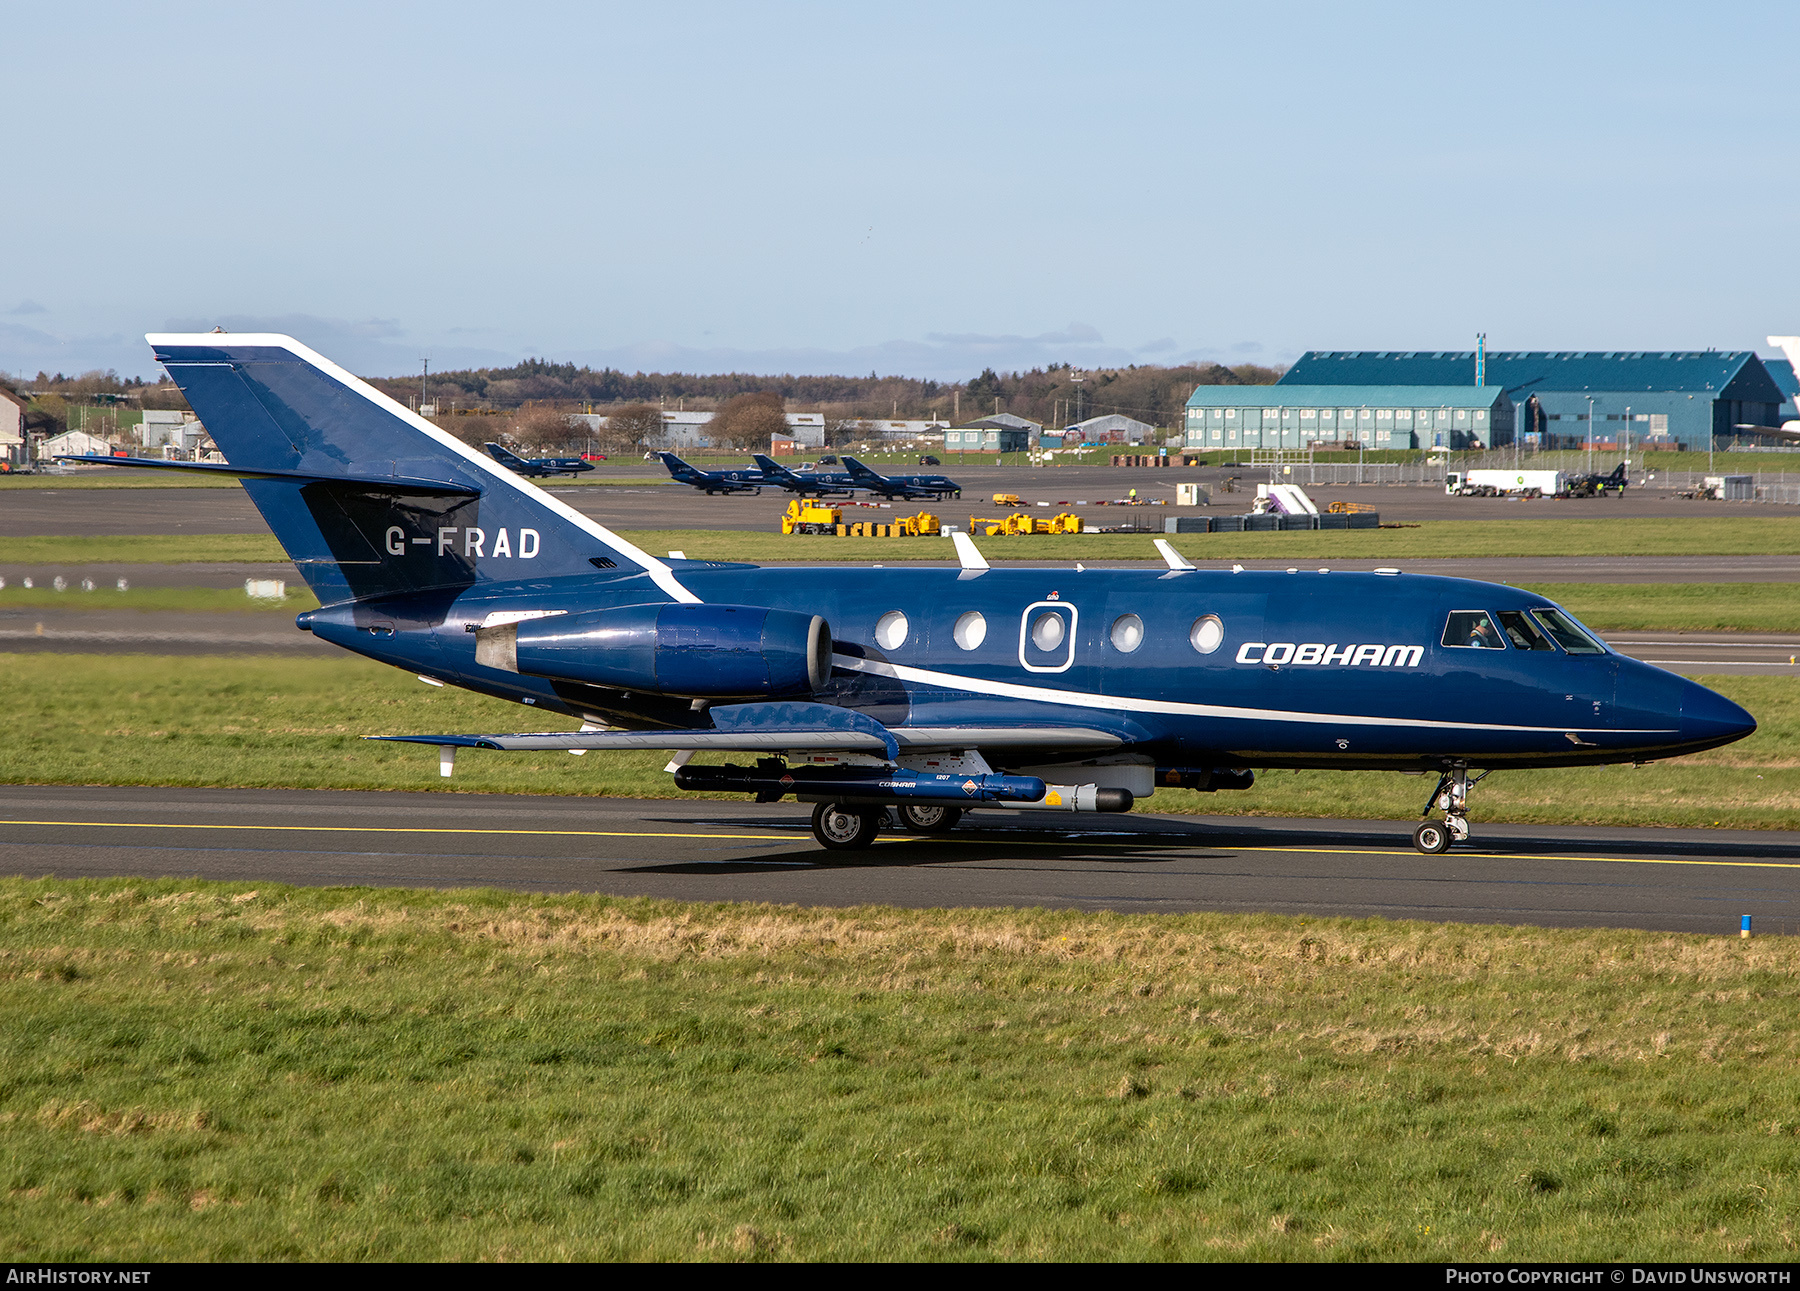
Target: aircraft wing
777,727
1790,430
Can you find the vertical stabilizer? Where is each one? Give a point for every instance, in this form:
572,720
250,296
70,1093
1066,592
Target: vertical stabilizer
366,521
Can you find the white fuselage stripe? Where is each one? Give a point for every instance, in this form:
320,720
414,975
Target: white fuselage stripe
1129,704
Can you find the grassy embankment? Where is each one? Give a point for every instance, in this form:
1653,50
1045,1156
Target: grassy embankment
221,1071
297,723
1700,536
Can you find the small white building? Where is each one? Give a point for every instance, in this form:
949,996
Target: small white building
12,428
77,443
1112,428
169,426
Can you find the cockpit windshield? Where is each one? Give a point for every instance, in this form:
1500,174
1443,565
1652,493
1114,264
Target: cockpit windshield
1523,632
1472,630
1567,633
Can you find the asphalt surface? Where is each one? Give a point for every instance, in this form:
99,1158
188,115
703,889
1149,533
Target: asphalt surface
1698,881
650,505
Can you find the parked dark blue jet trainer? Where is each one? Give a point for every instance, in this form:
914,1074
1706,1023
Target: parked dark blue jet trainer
737,481
906,487
808,484
535,467
928,690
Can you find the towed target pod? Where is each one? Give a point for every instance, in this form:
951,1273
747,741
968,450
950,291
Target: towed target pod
860,784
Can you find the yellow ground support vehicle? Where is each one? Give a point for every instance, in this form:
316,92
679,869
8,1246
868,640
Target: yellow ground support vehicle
1021,522
811,517
1347,508
1007,500
923,525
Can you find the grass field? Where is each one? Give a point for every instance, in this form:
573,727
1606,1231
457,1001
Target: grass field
214,1071
297,723
1679,607
1761,535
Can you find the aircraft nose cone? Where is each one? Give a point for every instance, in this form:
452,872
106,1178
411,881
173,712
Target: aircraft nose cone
1710,719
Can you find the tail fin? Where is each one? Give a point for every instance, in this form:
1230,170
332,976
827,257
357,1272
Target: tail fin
500,453
676,466
859,471
270,403
769,466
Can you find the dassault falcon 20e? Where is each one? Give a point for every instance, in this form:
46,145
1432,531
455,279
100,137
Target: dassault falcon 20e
925,691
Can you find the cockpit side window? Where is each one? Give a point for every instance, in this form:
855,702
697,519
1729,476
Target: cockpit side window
1569,634
1522,632
1472,630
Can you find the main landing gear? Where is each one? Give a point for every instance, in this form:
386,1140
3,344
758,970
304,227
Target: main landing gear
843,827
1452,796
846,827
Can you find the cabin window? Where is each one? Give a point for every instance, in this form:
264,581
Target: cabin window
1567,633
1047,631
1207,634
890,630
1127,633
1472,630
970,630
1523,632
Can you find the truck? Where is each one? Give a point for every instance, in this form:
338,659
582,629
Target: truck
1503,484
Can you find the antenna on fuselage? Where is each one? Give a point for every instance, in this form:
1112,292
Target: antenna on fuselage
1174,558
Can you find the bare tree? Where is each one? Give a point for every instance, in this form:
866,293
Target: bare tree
630,428
748,421
545,429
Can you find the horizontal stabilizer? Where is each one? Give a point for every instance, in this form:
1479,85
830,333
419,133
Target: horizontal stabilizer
388,483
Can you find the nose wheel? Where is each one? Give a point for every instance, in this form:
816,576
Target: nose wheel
1452,798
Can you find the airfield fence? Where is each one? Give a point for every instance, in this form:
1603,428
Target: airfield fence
1780,488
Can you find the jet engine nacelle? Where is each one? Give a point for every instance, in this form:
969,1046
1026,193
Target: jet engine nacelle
698,651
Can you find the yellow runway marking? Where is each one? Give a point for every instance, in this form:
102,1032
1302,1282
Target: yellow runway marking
789,838
391,829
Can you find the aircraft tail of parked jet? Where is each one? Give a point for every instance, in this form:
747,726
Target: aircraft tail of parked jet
367,497
538,466
1790,348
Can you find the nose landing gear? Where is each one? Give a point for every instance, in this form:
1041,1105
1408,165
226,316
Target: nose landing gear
1452,797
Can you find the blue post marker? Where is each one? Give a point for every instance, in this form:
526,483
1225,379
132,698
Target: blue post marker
1744,928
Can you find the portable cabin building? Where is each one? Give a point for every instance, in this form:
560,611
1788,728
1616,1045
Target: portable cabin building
1302,416
1676,398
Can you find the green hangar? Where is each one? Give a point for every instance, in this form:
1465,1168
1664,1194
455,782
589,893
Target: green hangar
1670,399
1299,416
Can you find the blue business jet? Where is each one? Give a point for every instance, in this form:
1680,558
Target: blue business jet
738,481
908,487
923,691
536,467
809,484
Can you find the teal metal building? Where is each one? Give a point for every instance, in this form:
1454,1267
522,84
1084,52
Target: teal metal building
1669,399
1303,416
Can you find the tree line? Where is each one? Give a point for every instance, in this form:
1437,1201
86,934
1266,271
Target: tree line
529,402
1055,395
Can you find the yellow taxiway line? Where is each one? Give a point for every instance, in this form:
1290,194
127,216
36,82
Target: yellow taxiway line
395,829
790,838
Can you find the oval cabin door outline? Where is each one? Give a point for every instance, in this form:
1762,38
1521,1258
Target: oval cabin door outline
1047,636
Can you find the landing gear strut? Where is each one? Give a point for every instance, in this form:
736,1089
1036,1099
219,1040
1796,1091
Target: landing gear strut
1452,796
843,827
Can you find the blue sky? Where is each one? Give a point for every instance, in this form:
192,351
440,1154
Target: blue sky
924,189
